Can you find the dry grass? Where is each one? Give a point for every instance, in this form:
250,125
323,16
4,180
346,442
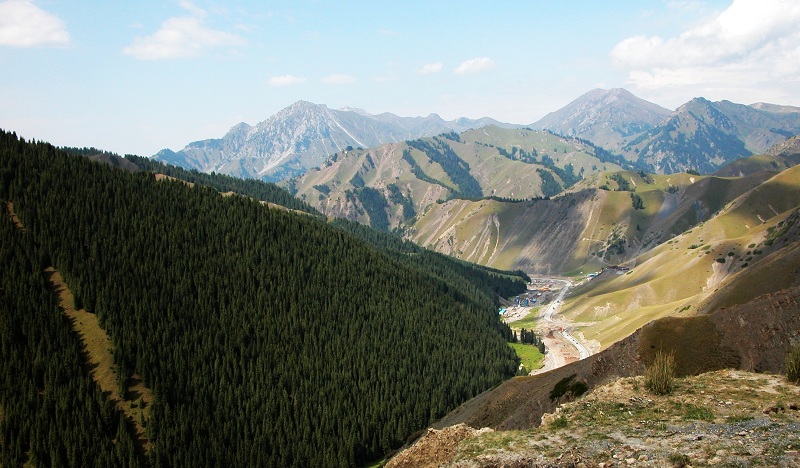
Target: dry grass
98,350
726,417
793,364
659,378
14,218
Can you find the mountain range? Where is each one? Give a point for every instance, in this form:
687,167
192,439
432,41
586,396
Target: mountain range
387,186
608,118
302,136
700,135
227,322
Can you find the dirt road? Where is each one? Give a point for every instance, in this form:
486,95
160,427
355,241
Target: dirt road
562,347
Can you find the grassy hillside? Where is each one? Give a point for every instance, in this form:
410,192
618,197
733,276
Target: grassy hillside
693,236
677,275
387,186
754,337
267,338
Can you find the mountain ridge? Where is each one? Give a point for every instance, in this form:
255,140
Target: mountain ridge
301,136
699,135
604,117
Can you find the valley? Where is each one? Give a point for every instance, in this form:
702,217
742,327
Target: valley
354,305
400,234
553,330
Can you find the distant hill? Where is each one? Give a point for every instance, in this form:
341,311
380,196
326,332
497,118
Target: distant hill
704,135
389,185
781,156
680,236
700,135
608,118
302,136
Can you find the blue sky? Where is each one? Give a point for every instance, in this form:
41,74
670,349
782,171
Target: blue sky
136,77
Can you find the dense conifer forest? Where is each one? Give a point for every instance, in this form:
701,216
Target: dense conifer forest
267,337
263,191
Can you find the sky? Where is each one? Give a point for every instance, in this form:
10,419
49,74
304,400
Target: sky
135,77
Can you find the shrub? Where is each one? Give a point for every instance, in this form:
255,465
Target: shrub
679,459
793,364
659,378
559,423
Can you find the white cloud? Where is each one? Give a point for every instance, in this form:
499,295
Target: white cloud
338,79
181,36
753,43
475,65
192,8
23,24
431,68
286,80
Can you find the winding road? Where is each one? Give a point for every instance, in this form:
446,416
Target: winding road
553,308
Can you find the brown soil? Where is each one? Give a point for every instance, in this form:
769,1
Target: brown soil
159,176
434,447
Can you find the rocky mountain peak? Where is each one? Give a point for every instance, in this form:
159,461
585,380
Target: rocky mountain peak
695,103
606,117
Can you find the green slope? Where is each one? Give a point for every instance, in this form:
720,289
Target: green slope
387,186
678,275
268,338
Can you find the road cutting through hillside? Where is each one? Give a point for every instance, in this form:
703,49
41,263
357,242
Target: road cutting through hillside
561,345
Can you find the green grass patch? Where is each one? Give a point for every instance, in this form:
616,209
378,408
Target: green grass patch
700,413
737,418
529,355
560,422
529,321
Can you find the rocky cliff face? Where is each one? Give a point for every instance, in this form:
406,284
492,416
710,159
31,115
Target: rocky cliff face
302,136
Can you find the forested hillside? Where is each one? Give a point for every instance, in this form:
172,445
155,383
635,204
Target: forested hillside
263,191
51,413
268,338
